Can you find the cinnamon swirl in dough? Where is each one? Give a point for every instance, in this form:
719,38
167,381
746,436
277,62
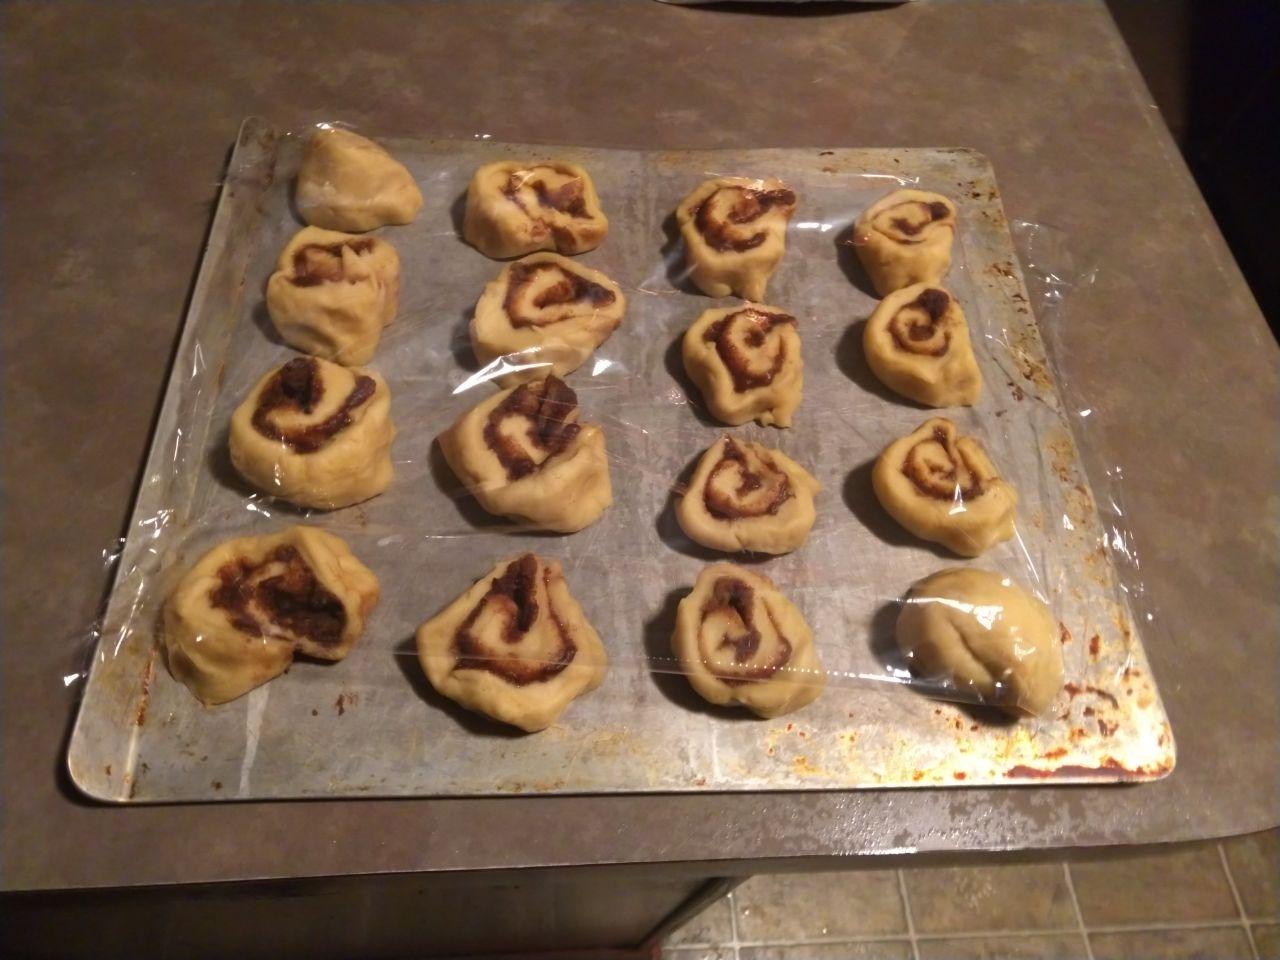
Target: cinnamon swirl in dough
739,640
917,343
515,647
735,232
516,208
905,238
348,182
248,606
746,361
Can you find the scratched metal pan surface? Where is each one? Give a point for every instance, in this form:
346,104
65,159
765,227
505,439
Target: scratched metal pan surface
372,726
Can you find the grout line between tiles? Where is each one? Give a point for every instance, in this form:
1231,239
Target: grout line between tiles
985,934
1235,895
733,925
906,912
1075,906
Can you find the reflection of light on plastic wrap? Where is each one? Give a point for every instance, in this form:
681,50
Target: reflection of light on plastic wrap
985,613
600,366
492,371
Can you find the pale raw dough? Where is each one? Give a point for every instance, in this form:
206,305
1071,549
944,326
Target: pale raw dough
744,496
516,208
332,293
905,238
237,618
739,640
316,434
524,454
986,635
348,182
515,647
917,343
735,232
545,310
746,361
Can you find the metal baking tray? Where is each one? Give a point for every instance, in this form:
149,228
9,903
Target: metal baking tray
372,726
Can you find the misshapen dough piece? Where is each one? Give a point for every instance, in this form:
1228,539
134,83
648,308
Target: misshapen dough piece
515,208
739,640
945,489
735,232
905,238
545,310
316,434
239,616
746,361
515,647
524,454
744,496
917,343
348,182
987,635
332,293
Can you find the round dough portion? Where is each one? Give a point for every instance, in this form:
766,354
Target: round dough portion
316,434
524,454
944,488
745,496
917,344
332,293
515,208
545,310
746,361
735,233
348,182
985,634
739,640
905,238
248,606
516,646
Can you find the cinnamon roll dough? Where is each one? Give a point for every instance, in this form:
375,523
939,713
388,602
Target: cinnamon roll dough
524,454
917,344
249,605
316,434
905,238
515,647
735,232
744,496
332,293
515,208
746,361
348,182
945,489
987,635
739,640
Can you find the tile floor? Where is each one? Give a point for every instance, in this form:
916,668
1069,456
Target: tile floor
1218,901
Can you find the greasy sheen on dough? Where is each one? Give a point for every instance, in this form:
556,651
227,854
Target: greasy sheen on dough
944,488
905,238
524,454
739,640
744,496
515,647
735,232
917,344
332,293
515,208
348,182
316,434
985,634
546,313
249,605
746,361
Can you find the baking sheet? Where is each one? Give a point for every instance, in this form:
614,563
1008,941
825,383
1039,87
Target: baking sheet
371,725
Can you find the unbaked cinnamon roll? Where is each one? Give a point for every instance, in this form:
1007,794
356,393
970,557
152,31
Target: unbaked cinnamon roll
917,343
746,361
516,208
905,238
735,232
348,182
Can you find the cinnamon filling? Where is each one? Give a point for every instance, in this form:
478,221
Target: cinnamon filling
298,386
568,197
938,469
762,488
735,599
547,405
284,589
554,302
723,231
318,263
920,326
905,221
744,330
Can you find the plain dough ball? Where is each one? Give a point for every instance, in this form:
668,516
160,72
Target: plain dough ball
744,496
348,182
735,232
516,208
545,309
316,434
917,343
739,640
746,361
332,293
524,454
238,617
515,647
985,634
905,238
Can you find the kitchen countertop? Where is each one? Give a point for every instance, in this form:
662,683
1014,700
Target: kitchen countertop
118,123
